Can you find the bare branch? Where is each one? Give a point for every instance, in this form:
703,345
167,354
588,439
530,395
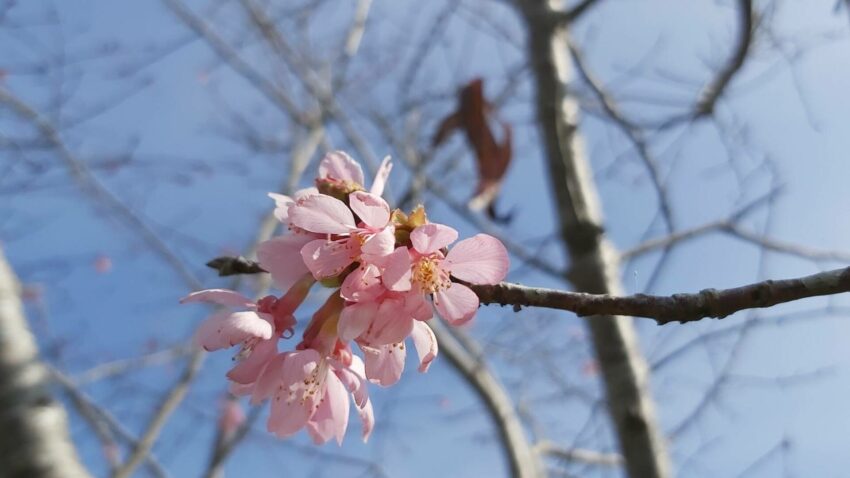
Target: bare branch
634,133
734,230
95,189
118,367
464,355
579,455
709,303
716,87
100,418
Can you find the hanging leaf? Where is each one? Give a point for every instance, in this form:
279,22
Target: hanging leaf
476,117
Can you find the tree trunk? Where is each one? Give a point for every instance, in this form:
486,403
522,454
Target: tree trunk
34,442
594,261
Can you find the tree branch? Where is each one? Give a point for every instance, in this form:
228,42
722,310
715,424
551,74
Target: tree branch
712,92
709,303
35,441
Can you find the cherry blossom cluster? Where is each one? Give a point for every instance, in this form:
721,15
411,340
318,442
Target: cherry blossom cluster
387,272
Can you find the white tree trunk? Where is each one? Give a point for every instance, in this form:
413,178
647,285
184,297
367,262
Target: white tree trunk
34,441
594,261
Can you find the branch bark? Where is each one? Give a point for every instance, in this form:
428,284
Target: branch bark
681,308
35,441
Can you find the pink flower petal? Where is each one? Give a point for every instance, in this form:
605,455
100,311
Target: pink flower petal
322,214
219,296
379,246
384,364
328,258
305,193
363,284
367,419
426,344
457,304
481,259
417,307
381,177
354,379
355,319
239,389
391,324
282,203
396,274
281,256
269,379
331,418
227,329
339,165
432,237
249,369
292,407
371,209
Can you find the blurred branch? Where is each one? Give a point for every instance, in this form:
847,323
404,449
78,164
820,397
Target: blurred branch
232,57
577,10
716,87
594,264
94,188
578,455
35,442
102,421
465,356
734,230
224,444
634,133
119,367
161,414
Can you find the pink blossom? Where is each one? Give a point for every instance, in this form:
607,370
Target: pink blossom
385,320
283,203
102,264
281,256
425,269
385,264
338,169
257,329
385,363
312,391
369,240
226,328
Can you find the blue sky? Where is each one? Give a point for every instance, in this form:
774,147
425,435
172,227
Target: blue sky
205,194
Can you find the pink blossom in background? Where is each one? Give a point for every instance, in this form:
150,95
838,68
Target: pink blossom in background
102,264
232,416
382,265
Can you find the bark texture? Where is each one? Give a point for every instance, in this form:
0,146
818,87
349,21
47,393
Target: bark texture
34,442
594,264
680,308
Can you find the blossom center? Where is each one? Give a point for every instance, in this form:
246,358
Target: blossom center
429,274
246,349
